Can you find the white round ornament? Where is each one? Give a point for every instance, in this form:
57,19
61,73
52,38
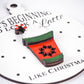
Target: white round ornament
19,64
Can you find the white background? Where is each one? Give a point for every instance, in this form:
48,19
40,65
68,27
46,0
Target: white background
73,8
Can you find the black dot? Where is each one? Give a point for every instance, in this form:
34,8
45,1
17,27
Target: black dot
60,31
79,36
68,22
14,40
2,56
13,5
18,74
78,50
24,57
